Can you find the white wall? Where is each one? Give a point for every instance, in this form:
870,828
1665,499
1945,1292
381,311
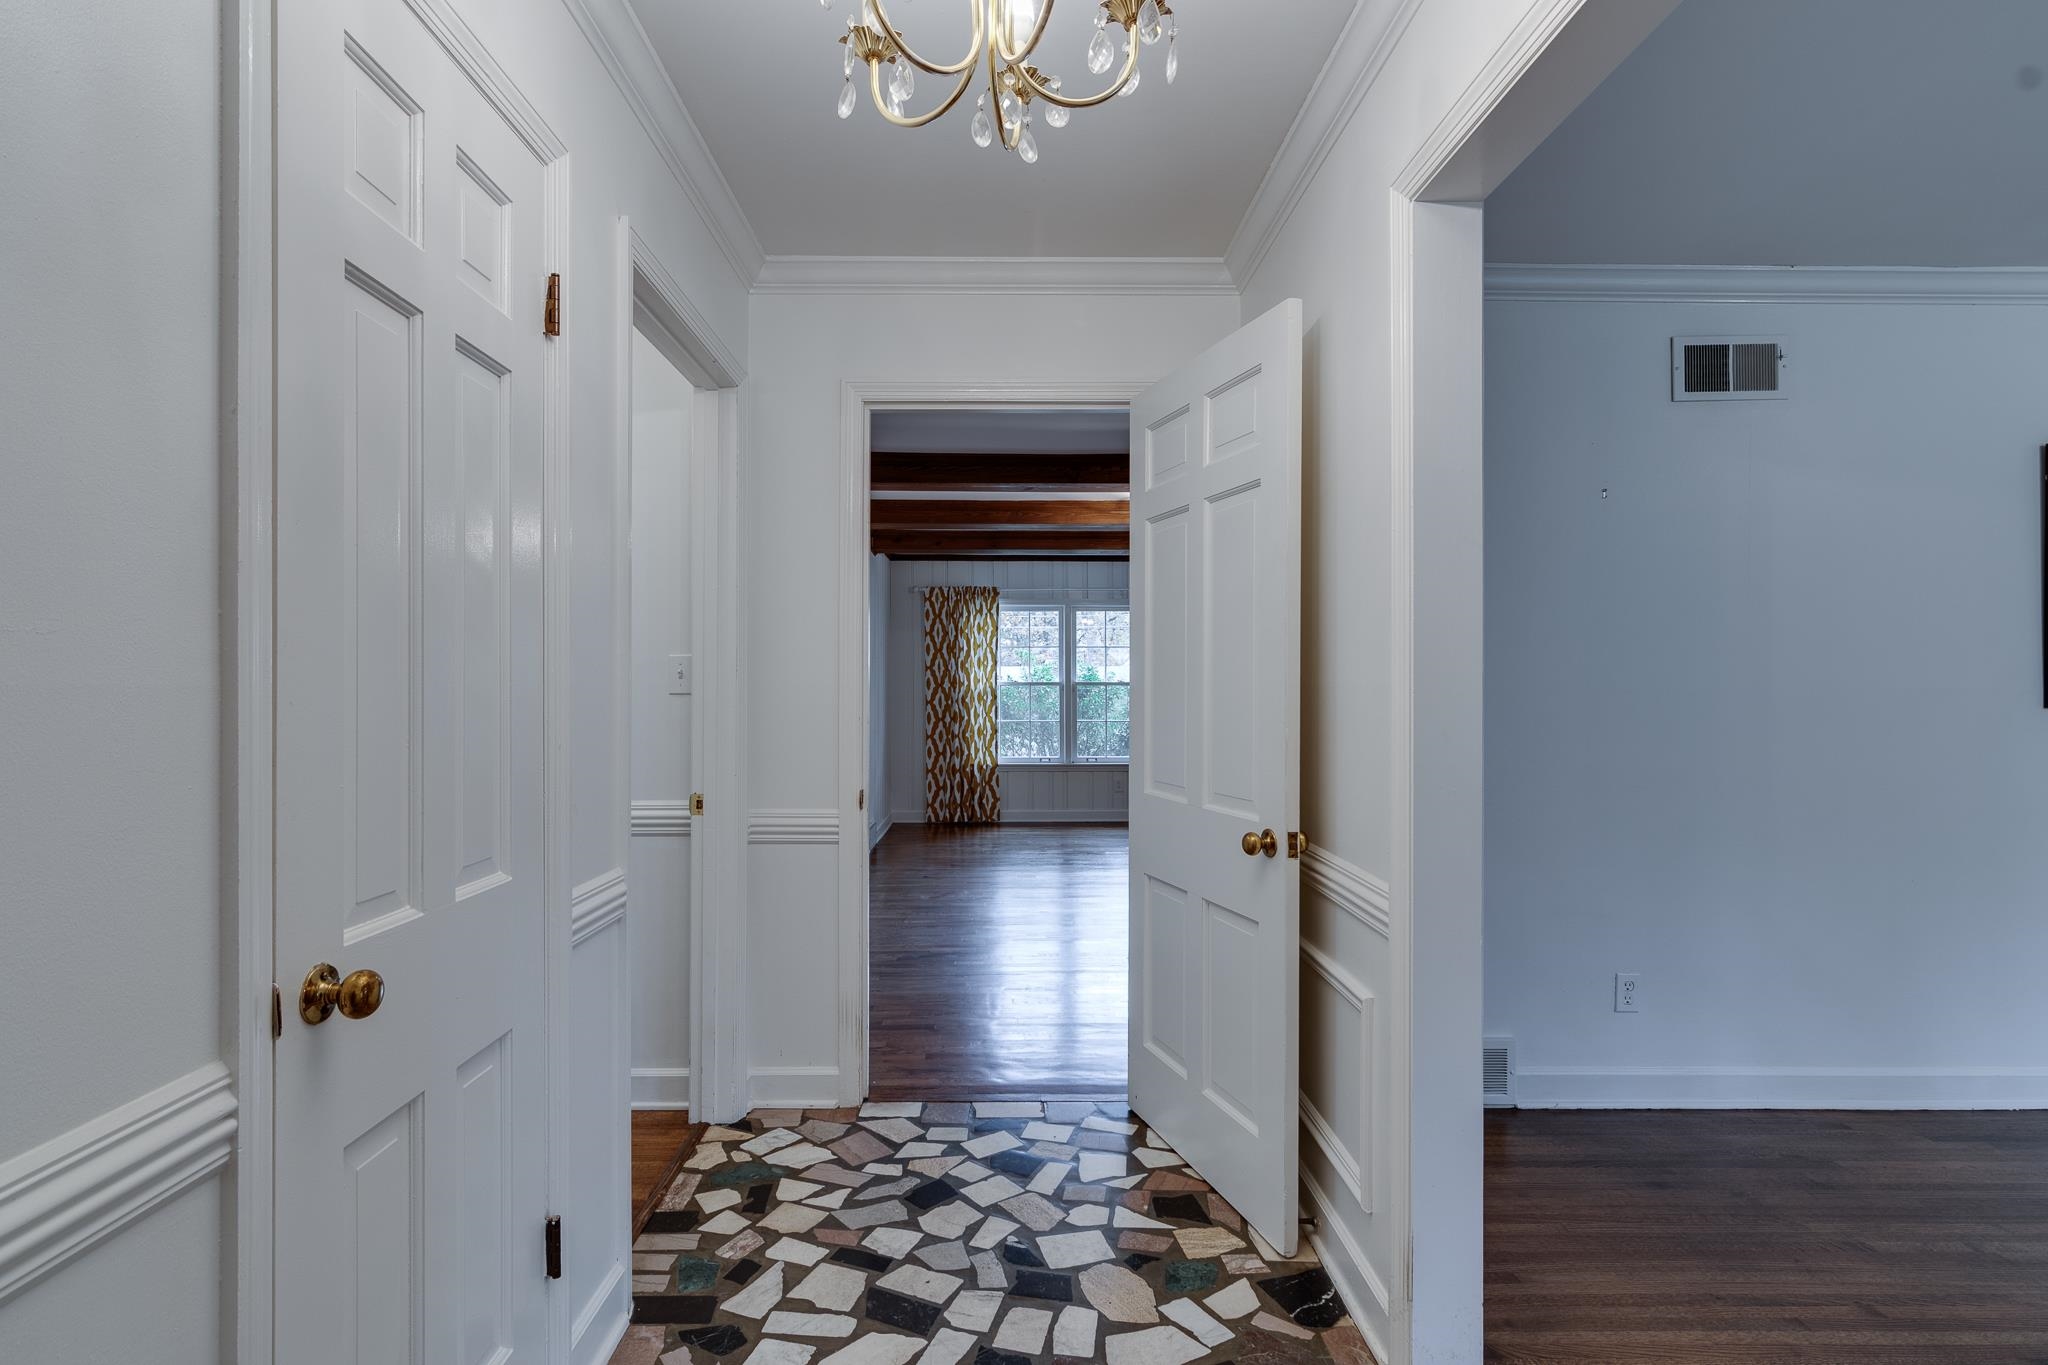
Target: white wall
1763,703
1032,793
658,928
805,346
111,654
881,694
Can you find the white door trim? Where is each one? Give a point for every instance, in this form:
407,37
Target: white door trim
649,292
857,398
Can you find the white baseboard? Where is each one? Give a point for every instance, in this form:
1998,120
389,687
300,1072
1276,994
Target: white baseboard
661,1087
795,1087
1364,1294
877,832
61,1198
601,1326
1715,1087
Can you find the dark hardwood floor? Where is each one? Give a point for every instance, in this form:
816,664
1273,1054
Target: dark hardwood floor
998,962
660,1137
1837,1237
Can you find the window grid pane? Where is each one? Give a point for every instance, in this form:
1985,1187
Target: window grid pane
1028,721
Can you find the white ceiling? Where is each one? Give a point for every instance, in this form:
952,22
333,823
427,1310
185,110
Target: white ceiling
1168,172
1801,132
1003,431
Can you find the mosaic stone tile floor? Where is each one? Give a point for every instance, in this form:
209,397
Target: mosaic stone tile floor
1002,1233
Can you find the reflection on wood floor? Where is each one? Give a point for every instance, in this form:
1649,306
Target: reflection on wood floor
998,961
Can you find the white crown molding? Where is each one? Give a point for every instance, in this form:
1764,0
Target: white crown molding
1361,50
661,819
615,34
62,1197
1766,284
1351,889
793,827
1098,275
597,905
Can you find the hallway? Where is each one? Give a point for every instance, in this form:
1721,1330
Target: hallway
998,961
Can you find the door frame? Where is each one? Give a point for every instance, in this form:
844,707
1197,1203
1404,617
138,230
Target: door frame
650,300
858,399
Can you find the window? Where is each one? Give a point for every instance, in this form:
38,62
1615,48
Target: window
1063,684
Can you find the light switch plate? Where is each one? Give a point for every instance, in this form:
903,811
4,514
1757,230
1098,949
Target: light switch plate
679,675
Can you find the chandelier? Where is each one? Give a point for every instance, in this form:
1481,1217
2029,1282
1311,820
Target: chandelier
1006,37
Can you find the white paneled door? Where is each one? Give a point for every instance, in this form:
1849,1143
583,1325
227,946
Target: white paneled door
1216,764
410,1176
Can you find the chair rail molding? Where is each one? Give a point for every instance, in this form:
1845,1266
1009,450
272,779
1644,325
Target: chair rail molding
661,819
793,827
1348,887
1767,284
597,905
59,1199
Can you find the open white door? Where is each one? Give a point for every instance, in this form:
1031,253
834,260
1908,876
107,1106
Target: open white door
411,1167
1216,765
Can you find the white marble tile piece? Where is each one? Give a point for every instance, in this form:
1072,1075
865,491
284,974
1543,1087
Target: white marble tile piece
988,1144
1066,1249
975,1309
1099,1166
789,1187
835,1199
876,1348
1087,1215
944,1255
1119,1294
790,1324
971,1171
934,1166
666,1241
989,1272
1073,1334
1282,1327
947,1347
912,1150
711,1201
1107,1125
807,1154
948,1133
830,1286
758,1298
1234,1301
1008,1109
993,1190
1023,1331
1054,1151
1048,1132
803,1253
895,1130
892,1241
791,1218
1154,1159
1035,1211
873,1215
883,1168
992,1233
724,1225
905,1110
705,1157
1049,1177
719,1133
772,1352
774,1140
1153,1346
1125,1182
930,1285
1201,1243
1189,1314
950,1219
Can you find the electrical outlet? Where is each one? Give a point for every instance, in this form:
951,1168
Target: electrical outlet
1626,987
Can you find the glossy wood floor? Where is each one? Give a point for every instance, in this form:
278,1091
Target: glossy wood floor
1780,1237
998,962
660,1138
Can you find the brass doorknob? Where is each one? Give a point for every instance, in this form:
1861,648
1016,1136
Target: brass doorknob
1265,842
357,995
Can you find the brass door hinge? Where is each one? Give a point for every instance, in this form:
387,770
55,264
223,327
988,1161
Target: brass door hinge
554,1246
551,314
1297,843
696,803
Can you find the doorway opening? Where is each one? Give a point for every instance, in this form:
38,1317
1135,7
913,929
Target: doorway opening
998,679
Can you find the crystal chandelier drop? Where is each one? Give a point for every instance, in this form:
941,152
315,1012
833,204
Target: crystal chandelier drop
1006,37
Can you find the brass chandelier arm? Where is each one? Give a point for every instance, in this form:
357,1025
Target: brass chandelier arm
1027,81
917,120
895,36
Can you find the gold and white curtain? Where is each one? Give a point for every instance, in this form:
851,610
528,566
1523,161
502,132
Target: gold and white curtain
961,783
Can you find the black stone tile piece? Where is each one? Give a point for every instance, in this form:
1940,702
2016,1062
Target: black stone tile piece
680,1220
861,1260
930,1195
1043,1284
1184,1207
1019,1253
1308,1296
670,1309
747,1173
899,1310
744,1271
722,1340
1014,1162
1138,1260
757,1199
989,1355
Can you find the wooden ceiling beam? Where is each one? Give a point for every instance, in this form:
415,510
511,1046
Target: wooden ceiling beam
970,542
886,515
899,473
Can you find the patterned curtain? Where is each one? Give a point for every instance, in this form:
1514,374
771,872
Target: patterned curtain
961,784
